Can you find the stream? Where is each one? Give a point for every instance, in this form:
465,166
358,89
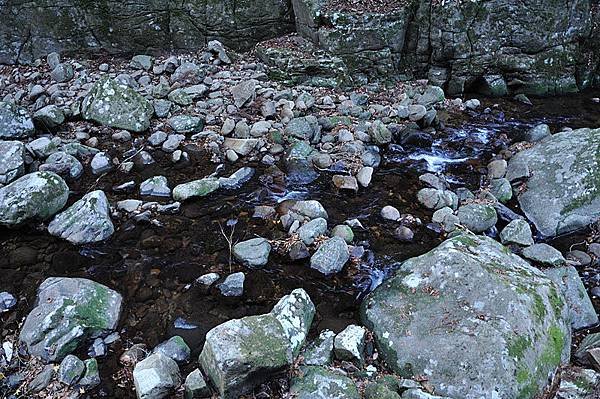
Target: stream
154,264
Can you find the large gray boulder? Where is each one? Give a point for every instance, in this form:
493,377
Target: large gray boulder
36,196
12,161
562,176
474,319
242,353
112,104
15,121
86,221
68,312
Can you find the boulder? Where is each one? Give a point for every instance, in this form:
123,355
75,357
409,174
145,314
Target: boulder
477,217
36,196
331,256
15,122
67,313
562,181
517,231
469,310
111,104
156,377
12,161
240,354
544,254
86,221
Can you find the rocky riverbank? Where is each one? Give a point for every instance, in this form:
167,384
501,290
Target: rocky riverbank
185,226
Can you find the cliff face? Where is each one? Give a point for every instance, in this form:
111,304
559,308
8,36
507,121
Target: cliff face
31,29
494,46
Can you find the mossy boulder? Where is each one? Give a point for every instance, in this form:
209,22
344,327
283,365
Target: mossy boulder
68,312
36,196
242,353
113,104
562,174
473,318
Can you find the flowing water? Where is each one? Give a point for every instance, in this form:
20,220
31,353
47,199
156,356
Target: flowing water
154,264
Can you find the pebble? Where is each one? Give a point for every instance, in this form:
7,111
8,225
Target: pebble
390,213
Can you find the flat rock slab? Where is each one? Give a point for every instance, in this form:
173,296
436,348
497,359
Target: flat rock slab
68,311
562,175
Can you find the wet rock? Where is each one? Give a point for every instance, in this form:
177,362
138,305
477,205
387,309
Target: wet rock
389,212
86,221
68,312
537,133
319,383
12,161
233,285
343,231
309,231
581,310
195,386
237,179
320,351
49,117
254,252
432,198
501,189
517,231
175,348
91,376
525,321
36,196
240,354
303,128
350,344
331,256
112,104
310,209
71,369
15,122
477,217
544,254
7,301
156,377
42,380
196,188
244,92
156,186
562,184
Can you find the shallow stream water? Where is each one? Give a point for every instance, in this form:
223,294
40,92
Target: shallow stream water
155,264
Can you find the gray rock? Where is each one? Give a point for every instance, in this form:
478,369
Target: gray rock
187,72
7,301
156,186
254,252
15,122
216,47
419,394
310,209
343,231
416,112
303,128
343,182
380,133
71,369
35,196
196,188
53,59
162,108
62,73
86,221
389,212
112,104
49,117
195,386
172,142
186,124
68,312
497,169
101,163
244,92
492,85
175,348
320,351
517,232
537,133
240,354
350,344
331,256
242,147
233,285
157,138
207,280
364,176
501,189
404,233
156,377
433,198
562,185
581,309
578,383
501,308
42,147
91,376
431,96
141,61
544,254
311,230
12,161
237,179
42,380
315,382
477,217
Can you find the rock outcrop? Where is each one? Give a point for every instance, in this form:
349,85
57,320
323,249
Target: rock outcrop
470,310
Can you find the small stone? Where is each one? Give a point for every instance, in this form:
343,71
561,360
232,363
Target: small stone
156,377
49,117
416,112
344,182
156,186
253,252
343,231
157,138
537,133
196,188
497,169
7,301
175,348
435,199
91,376
244,92
71,369
350,344
518,232
62,73
186,124
233,285
544,254
142,62
390,213
309,231
364,176
195,386
580,257
404,233
101,163
501,189
331,256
